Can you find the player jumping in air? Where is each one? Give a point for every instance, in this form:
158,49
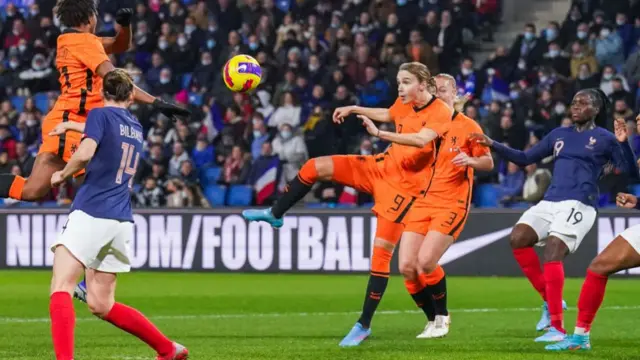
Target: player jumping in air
81,59
621,254
96,238
395,178
438,217
567,212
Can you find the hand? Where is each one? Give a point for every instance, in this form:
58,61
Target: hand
626,201
123,17
59,129
462,159
481,139
372,129
620,129
57,179
169,110
340,113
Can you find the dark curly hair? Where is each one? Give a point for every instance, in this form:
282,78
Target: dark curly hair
74,13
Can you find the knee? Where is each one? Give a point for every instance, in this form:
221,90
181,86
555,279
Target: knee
323,166
520,239
428,265
408,269
98,307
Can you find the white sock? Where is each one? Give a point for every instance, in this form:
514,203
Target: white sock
580,331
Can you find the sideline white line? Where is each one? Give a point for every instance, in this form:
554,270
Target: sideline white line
7,320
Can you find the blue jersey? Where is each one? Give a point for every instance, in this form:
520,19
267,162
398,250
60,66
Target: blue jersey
579,161
105,191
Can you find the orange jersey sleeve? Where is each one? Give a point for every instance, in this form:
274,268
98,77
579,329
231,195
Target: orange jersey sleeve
78,57
476,150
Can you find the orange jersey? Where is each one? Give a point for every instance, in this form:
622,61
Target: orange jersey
78,57
408,167
451,185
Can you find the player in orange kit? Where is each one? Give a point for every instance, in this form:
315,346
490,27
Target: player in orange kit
437,218
81,59
394,178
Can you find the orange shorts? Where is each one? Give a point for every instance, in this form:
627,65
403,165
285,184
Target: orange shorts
445,220
64,145
365,174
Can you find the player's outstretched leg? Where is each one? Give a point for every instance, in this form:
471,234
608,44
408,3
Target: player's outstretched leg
554,253
37,185
620,254
297,188
66,269
387,236
101,302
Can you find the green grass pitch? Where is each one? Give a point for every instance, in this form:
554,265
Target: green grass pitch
239,316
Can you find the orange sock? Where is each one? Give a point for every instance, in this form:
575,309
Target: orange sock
381,261
308,173
432,278
15,191
413,287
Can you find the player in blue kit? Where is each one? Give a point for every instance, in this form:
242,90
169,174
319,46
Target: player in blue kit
96,238
567,212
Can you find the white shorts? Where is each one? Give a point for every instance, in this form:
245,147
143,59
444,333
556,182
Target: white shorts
568,220
632,235
100,244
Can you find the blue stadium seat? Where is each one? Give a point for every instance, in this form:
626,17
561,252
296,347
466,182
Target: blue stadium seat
186,80
240,195
635,189
18,102
211,175
316,205
216,194
195,99
50,204
42,102
487,195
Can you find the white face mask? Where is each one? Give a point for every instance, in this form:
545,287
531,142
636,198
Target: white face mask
582,34
365,152
206,62
604,33
522,65
607,76
286,134
14,64
544,79
22,48
108,19
136,78
554,53
188,29
466,72
560,109
182,42
164,80
163,45
257,134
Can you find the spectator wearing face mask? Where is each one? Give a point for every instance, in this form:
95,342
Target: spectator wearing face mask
260,135
625,31
166,86
557,59
582,54
609,48
468,80
528,46
179,155
205,73
157,64
291,149
607,82
184,57
40,76
570,24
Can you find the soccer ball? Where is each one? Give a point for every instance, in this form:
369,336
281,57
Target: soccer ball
242,73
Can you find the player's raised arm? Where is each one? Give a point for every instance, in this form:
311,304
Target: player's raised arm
536,153
122,41
419,139
622,154
375,114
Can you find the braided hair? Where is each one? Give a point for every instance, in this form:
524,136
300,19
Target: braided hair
599,100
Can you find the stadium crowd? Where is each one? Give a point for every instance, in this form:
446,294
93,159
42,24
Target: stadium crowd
316,56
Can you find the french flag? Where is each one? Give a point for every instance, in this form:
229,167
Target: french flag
265,186
349,196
